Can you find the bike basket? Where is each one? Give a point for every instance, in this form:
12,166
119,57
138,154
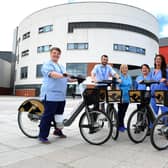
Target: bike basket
139,96
114,96
102,94
135,96
161,97
91,96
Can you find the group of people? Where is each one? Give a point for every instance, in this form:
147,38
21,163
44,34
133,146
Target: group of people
55,78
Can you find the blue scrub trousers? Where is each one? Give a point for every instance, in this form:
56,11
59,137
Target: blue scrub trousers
156,108
50,109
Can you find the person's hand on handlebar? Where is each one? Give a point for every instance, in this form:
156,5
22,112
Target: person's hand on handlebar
119,80
163,80
72,80
94,81
55,75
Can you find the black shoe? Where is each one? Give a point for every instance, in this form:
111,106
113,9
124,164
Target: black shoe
59,133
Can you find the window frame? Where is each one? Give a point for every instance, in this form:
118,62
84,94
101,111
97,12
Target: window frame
25,73
76,46
39,75
25,53
44,29
41,49
26,35
129,48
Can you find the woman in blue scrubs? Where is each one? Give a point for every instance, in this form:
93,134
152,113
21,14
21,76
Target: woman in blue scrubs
160,73
146,75
145,70
125,86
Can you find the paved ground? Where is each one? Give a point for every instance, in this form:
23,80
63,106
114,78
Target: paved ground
18,151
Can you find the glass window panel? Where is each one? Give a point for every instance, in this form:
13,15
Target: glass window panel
81,46
77,46
24,72
115,47
70,46
77,68
38,70
133,49
47,28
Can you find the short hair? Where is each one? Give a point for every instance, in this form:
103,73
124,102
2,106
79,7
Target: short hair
146,65
106,56
56,49
122,66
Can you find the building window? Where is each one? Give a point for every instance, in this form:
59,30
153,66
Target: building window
128,48
26,35
25,53
38,70
77,46
77,68
24,72
45,48
45,29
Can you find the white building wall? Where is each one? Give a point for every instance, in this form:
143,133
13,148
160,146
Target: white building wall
100,40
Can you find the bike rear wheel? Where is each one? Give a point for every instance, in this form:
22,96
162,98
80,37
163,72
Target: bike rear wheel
29,116
159,132
112,113
95,127
138,126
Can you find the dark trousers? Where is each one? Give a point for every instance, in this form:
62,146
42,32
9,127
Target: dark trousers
122,108
50,109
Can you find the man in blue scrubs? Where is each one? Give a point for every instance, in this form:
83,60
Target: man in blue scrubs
103,71
53,94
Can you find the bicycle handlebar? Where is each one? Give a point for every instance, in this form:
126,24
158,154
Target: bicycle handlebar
149,82
108,82
79,78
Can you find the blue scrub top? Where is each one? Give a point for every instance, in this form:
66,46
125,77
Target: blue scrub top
125,86
103,72
140,78
157,77
53,89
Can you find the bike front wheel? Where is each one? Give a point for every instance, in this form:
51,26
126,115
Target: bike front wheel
138,126
159,132
29,116
95,127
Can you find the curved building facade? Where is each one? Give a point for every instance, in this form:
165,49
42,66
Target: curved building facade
84,31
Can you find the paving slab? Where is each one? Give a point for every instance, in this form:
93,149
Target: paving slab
18,151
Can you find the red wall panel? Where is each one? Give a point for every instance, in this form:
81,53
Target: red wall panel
164,52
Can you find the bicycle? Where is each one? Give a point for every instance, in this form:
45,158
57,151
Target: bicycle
159,131
109,96
139,122
94,131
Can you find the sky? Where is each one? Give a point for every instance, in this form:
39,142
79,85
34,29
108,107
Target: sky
13,11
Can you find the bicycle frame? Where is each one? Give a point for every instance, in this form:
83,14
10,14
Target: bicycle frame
68,122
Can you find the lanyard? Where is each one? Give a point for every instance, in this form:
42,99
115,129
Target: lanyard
104,72
60,68
61,71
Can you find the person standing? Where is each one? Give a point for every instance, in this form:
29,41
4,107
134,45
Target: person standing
103,71
145,75
124,86
53,94
160,73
